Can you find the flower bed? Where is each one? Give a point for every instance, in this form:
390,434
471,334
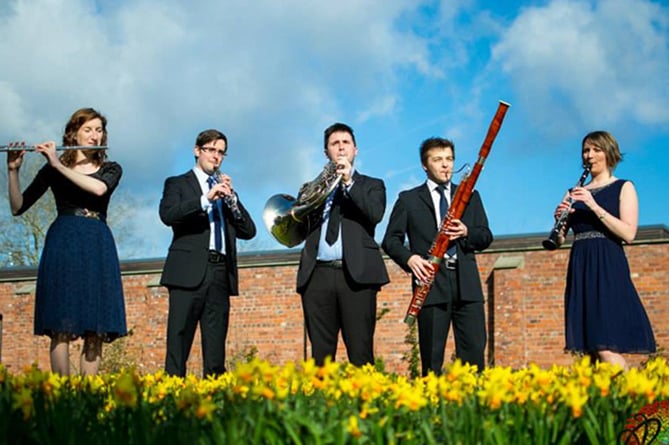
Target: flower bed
259,403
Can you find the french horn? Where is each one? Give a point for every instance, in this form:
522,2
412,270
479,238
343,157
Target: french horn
290,219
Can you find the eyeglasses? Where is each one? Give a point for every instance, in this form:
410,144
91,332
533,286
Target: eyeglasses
214,150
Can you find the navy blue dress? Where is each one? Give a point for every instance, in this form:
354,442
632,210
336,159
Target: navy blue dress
79,289
602,308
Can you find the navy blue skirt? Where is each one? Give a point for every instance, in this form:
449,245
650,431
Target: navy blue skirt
79,289
603,310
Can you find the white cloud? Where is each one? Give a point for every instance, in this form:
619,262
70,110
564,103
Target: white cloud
171,68
271,75
600,63
382,107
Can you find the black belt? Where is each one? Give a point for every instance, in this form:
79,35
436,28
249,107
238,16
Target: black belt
451,263
216,257
83,212
335,264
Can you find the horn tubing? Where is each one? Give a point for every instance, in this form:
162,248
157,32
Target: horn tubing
288,219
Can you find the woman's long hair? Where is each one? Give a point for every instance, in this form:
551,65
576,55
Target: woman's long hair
78,119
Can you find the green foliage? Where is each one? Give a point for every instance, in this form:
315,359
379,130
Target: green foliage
661,353
259,403
381,313
412,356
244,355
22,237
116,356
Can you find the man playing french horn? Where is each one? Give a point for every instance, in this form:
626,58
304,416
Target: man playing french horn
341,268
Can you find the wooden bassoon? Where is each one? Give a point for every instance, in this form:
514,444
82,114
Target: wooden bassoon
455,211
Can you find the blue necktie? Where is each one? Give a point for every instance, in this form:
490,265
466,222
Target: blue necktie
443,209
216,216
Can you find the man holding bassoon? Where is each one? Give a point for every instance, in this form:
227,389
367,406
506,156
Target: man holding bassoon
456,295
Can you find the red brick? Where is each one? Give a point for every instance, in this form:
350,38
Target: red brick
526,304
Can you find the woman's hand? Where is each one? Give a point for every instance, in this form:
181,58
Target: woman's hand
48,150
564,206
583,194
15,156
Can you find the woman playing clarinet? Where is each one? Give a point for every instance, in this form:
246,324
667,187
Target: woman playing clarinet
604,316
78,292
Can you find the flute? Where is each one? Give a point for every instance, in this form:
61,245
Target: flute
8,148
552,242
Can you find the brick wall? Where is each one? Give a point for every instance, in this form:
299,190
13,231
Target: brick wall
523,285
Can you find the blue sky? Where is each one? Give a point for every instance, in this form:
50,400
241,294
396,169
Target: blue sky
273,74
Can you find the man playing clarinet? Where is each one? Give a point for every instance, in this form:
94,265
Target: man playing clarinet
456,295
207,218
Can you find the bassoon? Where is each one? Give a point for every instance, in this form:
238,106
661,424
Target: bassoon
455,211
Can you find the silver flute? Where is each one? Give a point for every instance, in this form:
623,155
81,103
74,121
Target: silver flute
8,148
229,200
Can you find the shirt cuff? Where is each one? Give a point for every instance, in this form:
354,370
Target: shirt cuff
204,203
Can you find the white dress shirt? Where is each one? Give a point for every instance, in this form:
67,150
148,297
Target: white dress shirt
210,208
434,193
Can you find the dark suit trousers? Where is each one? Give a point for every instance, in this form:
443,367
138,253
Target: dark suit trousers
332,301
208,305
468,327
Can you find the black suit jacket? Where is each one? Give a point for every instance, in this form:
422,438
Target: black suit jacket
362,209
187,258
413,216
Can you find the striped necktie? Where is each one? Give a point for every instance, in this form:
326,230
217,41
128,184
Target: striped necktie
216,216
443,209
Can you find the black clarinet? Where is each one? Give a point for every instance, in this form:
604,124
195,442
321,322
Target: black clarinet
551,243
229,200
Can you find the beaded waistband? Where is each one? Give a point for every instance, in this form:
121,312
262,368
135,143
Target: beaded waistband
83,212
589,235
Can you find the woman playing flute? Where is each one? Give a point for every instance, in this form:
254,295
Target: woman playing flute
78,292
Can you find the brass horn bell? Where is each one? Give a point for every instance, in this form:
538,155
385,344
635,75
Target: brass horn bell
290,219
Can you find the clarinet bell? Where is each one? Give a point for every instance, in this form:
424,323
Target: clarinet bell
551,243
